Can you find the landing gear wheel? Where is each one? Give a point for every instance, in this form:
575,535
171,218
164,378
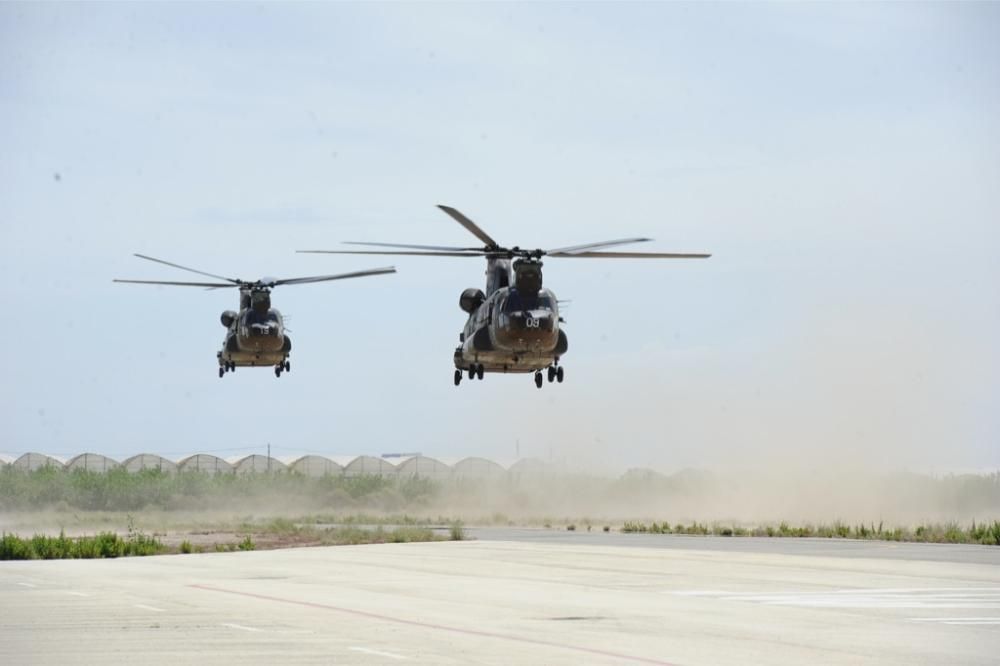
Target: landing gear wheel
559,374
472,372
458,377
480,370
552,374
538,379
277,371
222,371
288,366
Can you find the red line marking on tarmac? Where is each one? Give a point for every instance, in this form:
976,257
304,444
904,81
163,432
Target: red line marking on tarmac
439,627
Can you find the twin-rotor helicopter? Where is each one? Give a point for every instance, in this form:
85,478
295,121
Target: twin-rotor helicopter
512,327
256,335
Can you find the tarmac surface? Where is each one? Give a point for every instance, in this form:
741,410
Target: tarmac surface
534,597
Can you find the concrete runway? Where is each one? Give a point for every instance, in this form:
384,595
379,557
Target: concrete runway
549,598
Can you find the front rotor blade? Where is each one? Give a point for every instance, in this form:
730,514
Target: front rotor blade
630,255
185,268
439,248
479,253
470,225
593,246
341,276
210,285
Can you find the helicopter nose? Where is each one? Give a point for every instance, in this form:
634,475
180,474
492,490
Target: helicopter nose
533,321
263,330
535,330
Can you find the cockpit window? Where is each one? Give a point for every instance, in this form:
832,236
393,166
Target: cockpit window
515,301
270,317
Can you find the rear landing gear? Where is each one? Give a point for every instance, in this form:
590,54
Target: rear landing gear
559,374
458,377
538,379
222,371
278,369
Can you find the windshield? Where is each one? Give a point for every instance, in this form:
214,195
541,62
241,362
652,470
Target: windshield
515,301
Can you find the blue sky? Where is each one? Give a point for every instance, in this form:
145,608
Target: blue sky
841,161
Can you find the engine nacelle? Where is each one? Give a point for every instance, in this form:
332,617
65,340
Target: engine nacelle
227,318
471,299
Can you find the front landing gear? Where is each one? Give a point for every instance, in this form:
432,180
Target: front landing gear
458,377
538,379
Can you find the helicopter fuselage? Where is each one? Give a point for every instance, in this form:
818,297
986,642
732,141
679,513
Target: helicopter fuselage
255,336
515,328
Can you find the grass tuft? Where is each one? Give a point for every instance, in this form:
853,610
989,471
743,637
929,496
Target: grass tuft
103,545
987,534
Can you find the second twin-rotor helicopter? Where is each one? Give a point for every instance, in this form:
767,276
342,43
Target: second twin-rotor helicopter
514,325
256,335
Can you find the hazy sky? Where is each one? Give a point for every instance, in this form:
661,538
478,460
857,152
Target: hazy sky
841,161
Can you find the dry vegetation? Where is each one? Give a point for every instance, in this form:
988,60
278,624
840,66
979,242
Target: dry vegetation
192,512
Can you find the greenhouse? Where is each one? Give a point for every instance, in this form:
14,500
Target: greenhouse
369,466
478,468
204,462
423,467
33,461
314,465
258,464
91,462
148,461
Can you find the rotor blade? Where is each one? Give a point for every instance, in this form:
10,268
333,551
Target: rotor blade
470,225
439,248
185,268
418,254
210,285
593,246
630,255
341,276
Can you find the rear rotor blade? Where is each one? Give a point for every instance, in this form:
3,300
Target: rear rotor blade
185,268
479,253
593,246
341,276
630,255
210,285
439,248
470,225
